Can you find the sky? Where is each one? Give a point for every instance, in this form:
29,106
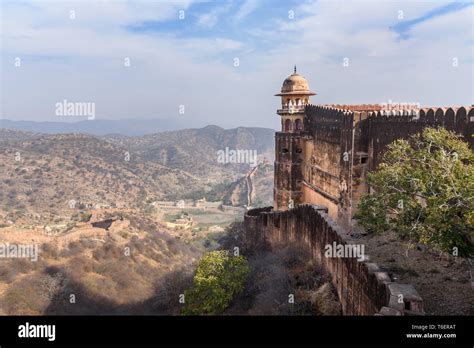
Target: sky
221,62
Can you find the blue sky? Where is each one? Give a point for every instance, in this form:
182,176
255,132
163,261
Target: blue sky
403,28
405,51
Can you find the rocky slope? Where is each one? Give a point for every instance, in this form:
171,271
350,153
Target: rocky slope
46,175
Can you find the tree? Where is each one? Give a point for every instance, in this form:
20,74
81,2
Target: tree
219,277
424,190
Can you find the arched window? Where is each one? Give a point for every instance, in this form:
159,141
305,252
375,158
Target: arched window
298,125
287,125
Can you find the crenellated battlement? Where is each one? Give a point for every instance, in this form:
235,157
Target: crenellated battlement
381,128
341,143
327,111
324,152
440,112
357,107
322,157
377,110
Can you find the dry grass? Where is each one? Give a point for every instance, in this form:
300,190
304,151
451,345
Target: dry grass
279,276
443,281
105,277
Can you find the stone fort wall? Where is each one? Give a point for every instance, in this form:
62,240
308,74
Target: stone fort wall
327,160
379,129
322,169
326,164
362,287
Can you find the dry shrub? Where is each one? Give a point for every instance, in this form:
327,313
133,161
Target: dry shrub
120,271
172,245
158,257
49,251
168,289
286,270
108,251
88,243
52,285
138,245
325,301
145,270
26,297
123,275
9,271
80,264
73,248
7,274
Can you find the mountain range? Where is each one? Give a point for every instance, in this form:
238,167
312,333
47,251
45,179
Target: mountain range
41,173
130,127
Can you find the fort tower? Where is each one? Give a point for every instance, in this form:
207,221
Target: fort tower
294,95
324,152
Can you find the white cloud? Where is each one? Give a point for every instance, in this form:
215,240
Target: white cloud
247,8
381,65
83,60
209,20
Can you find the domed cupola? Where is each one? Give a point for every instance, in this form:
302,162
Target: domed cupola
294,95
295,84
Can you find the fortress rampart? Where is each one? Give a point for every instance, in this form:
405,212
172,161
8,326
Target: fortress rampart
322,156
362,287
380,129
326,162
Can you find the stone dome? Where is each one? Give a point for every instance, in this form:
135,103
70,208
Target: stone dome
295,83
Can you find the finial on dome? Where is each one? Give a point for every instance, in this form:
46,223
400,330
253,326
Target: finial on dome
295,85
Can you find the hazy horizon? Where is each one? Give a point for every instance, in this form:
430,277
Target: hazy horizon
126,127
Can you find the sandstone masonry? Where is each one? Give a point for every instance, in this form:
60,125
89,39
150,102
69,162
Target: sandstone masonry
322,156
